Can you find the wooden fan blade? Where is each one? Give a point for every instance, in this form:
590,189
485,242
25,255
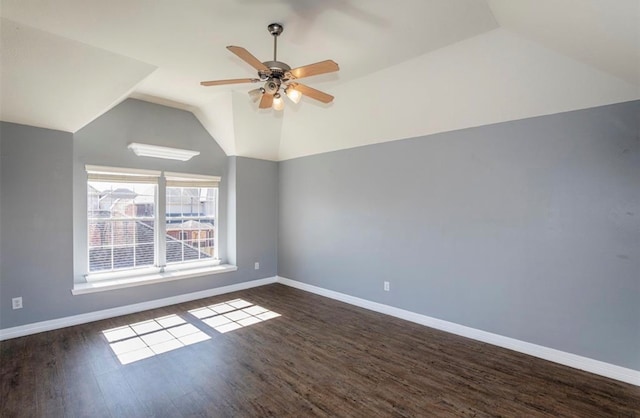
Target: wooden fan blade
246,56
266,101
321,67
232,81
313,93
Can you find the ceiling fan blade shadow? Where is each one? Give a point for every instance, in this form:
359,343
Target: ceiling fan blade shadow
231,81
313,93
321,67
266,101
247,57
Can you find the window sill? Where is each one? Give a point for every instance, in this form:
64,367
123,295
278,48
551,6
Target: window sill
153,278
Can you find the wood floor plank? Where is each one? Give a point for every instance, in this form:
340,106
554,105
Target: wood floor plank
118,395
82,395
20,380
319,358
49,381
200,403
154,387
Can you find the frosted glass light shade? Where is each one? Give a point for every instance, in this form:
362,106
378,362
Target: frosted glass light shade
256,94
294,95
278,103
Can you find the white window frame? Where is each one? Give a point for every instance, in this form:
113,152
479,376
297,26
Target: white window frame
162,180
191,180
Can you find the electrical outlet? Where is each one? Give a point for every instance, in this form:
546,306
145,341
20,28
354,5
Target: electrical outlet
16,303
386,286
256,266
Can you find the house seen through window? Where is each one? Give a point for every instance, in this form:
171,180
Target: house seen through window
190,223
128,228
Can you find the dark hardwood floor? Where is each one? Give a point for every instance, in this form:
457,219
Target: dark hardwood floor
318,358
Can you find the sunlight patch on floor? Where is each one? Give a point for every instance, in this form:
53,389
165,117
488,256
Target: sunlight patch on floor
146,339
232,315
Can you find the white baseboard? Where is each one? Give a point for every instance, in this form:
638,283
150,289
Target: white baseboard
36,327
572,360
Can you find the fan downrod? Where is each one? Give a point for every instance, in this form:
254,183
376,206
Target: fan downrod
277,68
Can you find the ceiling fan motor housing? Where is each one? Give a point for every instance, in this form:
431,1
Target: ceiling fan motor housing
277,69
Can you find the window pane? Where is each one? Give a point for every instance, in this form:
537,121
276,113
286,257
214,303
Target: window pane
191,223
124,232
120,225
145,254
123,257
100,258
120,200
174,251
99,233
144,232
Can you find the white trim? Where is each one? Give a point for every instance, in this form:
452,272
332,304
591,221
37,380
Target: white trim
68,321
572,360
151,278
157,151
568,359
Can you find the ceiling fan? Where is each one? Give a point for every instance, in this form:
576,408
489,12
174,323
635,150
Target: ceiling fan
278,76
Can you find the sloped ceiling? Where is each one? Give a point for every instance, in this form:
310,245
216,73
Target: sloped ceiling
490,78
409,69
53,82
604,34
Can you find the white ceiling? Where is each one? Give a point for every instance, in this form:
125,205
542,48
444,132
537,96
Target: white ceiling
407,68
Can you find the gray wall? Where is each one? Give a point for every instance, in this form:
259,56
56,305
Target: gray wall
36,223
43,217
257,212
528,229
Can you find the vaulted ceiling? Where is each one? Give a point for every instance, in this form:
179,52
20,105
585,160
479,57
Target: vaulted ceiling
407,68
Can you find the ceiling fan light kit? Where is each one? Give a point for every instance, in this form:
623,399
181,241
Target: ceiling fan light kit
278,103
293,94
255,94
278,76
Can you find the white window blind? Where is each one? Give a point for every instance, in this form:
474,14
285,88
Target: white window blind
119,174
191,180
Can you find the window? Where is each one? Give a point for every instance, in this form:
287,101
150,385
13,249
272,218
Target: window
121,224
140,218
191,208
